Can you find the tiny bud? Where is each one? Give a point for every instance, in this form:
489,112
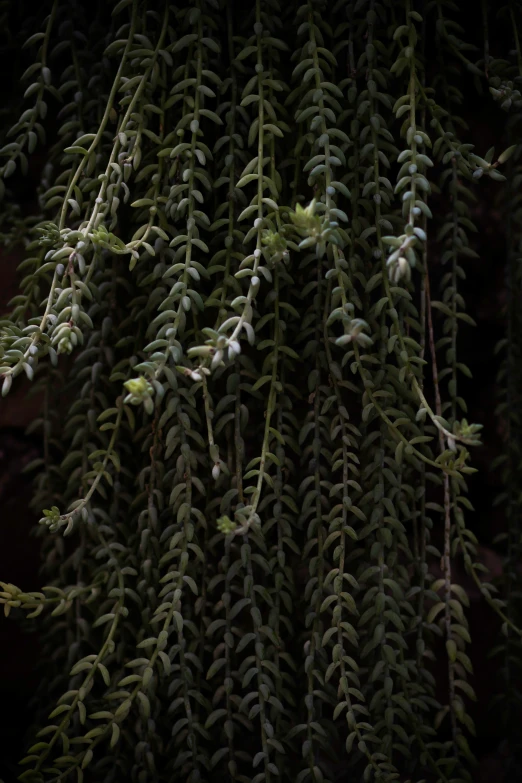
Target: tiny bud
218,358
330,190
226,525
254,281
216,470
258,222
403,269
234,350
60,269
28,371
257,252
6,385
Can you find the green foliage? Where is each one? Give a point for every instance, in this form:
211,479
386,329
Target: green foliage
259,430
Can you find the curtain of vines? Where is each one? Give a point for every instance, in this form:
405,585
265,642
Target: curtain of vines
254,455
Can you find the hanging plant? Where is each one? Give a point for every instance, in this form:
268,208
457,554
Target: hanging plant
252,423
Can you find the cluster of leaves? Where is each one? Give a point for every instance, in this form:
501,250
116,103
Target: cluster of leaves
257,449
